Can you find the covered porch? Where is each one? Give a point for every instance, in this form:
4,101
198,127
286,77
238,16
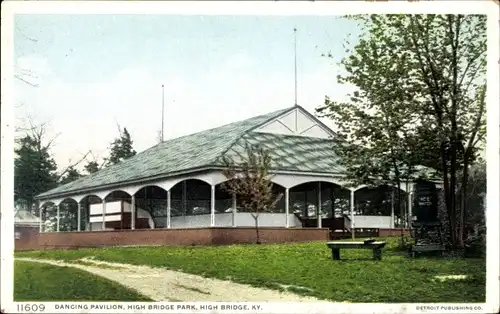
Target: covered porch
198,201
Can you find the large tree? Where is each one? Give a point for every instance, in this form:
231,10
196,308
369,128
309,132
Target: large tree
420,87
121,148
450,59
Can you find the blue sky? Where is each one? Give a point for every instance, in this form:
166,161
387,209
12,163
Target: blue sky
97,71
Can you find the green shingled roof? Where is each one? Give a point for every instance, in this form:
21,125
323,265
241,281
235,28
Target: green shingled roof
290,153
205,149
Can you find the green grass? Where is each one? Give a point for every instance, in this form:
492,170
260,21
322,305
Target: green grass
42,282
307,268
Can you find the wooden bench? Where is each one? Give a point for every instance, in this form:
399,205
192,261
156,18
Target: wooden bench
376,246
427,248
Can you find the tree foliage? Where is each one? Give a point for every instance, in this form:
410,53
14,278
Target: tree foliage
91,167
420,89
249,179
121,148
34,167
71,175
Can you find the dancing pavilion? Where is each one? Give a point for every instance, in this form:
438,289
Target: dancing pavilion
177,183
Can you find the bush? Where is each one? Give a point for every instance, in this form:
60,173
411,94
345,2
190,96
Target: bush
475,241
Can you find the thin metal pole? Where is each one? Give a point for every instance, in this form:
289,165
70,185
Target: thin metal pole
162,110
295,62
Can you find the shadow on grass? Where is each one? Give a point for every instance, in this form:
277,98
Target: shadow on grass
356,259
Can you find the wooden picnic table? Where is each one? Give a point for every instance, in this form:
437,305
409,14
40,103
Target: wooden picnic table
376,247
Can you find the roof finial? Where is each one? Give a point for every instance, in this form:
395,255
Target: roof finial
162,110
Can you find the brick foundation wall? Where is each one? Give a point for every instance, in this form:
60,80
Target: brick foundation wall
392,232
267,235
28,238
200,236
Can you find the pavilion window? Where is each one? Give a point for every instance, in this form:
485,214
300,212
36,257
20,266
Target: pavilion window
176,207
197,201
159,208
176,204
297,201
311,201
198,207
223,201
223,205
326,201
280,205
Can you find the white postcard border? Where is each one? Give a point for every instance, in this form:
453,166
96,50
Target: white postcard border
9,8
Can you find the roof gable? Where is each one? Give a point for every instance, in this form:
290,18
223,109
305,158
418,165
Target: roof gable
296,122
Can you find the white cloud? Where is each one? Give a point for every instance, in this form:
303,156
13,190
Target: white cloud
86,115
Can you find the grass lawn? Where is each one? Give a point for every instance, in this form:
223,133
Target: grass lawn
43,282
307,268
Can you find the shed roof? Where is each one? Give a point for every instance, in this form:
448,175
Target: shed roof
23,217
205,149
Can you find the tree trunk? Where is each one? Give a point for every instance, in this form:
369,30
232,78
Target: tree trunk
257,236
453,186
446,188
454,31
463,201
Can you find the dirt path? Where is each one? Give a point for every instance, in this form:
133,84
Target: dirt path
161,284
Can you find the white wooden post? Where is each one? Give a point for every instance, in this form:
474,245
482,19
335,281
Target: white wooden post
58,216
103,214
410,204
40,209
169,210
320,220
132,213
392,209
235,208
79,217
212,206
352,213
287,208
